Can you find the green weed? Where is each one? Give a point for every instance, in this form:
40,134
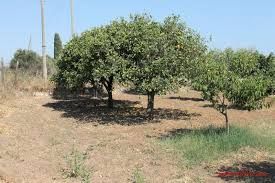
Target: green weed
76,166
205,145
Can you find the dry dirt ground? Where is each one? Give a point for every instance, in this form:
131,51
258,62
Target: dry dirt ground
36,133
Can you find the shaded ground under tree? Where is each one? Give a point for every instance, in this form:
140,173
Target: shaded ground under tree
187,99
88,110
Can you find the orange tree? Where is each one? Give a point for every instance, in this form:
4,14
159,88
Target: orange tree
159,54
91,58
231,79
154,56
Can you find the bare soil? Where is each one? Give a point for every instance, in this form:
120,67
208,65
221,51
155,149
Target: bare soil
37,132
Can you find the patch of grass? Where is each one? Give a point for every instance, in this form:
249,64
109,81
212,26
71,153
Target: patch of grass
264,128
206,145
76,166
138,177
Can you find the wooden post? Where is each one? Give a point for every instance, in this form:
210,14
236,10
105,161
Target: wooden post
30,44
2,74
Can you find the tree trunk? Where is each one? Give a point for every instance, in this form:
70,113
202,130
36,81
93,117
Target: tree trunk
110,99
226,122
150,104
109,89
2,74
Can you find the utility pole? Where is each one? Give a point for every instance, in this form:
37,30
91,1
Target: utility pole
44,57
72,18
30,43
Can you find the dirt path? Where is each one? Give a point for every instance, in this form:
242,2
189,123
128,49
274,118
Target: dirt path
39,132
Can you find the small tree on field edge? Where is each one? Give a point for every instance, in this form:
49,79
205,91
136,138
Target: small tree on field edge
225,87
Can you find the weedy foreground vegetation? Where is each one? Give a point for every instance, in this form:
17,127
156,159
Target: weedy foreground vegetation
196,146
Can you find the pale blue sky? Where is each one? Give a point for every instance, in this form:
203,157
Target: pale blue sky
232,23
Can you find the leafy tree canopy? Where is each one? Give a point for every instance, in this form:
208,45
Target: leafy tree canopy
159,54
92,58
225,85
267,68
151,55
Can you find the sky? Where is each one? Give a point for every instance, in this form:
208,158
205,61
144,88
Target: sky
231,23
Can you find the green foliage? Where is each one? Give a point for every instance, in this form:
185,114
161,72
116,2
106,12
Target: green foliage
267,64
141,51
267,68
230,79
76,166
57,45
249,92
29,61
138,177
92,58
69,72
243,62
206,145
159,54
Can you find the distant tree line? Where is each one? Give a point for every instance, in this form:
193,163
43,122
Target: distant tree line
31,62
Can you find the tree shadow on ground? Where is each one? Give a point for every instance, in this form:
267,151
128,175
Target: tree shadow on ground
249,172
187,99
185,131
87,110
